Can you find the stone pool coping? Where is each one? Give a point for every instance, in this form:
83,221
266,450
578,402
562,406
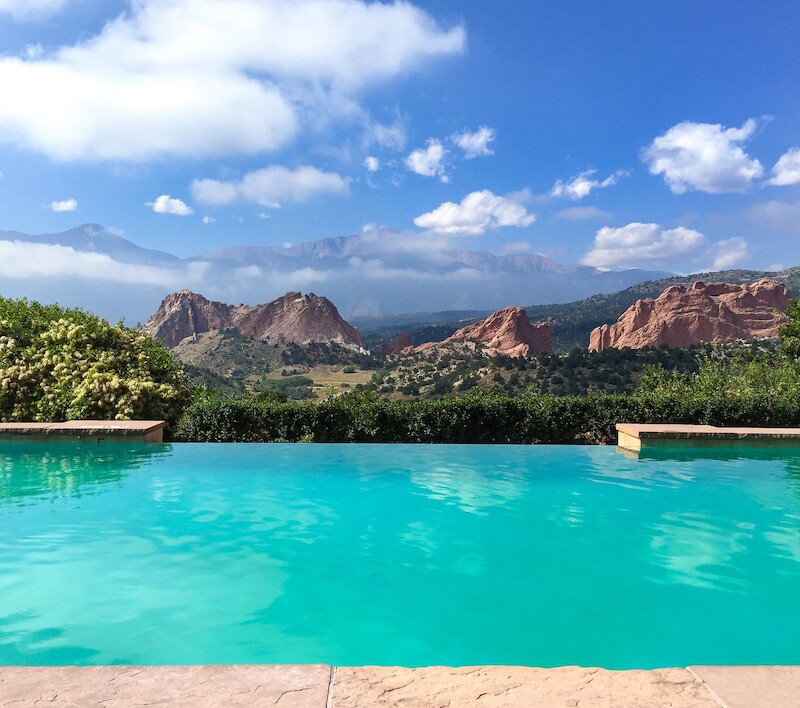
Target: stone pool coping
322,686
638,436
97,431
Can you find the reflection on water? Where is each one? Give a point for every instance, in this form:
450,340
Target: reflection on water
67,469
698,550
787,539
468,488
608,469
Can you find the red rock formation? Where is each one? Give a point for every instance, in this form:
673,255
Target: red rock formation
291,318
400,342
690,314
508,332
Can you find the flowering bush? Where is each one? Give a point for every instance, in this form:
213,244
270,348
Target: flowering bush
58,364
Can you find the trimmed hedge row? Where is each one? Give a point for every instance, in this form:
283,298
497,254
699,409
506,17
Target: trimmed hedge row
484,419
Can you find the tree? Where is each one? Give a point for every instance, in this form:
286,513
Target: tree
790,333
58,364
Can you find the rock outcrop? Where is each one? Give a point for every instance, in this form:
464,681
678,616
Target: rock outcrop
399,343
507,331
689,314
292,318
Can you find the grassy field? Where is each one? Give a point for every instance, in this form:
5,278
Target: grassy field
326,376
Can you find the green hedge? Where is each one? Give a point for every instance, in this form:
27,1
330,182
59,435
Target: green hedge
484,419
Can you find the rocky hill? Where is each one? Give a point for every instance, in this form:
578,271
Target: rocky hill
505,332
292,318
683,315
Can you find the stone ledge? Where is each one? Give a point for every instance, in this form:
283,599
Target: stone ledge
151,431
636,436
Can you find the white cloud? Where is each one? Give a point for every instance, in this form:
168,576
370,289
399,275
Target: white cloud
373,164
787,169
476,144
270,187
582,184
429,161
211,77
65,205
19,259
705,157
477,213
578,213
207,220
167,205
730,252
641,245
31,9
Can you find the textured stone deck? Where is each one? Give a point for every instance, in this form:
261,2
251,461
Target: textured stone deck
638,436
318,686
98,431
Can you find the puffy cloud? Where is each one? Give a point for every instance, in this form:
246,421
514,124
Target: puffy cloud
167,205
582,184
729,253
31,9
775,215
641,245
429,161
476,144
705,157
207,220
477,213
210,77
20,259
787,169
579,213
373,164
65,205
270,187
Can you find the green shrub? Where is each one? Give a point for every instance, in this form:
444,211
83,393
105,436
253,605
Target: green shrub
360,416
58,364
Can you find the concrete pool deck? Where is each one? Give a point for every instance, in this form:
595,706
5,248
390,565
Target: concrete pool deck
320,686
640,436
95,431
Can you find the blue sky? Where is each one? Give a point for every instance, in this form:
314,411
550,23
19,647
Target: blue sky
662,135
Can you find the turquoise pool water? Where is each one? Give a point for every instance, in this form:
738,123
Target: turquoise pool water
410,555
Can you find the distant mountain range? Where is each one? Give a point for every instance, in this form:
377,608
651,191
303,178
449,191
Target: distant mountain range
374,273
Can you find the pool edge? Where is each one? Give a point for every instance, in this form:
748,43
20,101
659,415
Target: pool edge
323,686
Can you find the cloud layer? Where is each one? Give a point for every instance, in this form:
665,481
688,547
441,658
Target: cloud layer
19,259
209,77
270,187
477,213
704,157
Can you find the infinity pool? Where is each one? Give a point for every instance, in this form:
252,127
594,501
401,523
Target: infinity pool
406,554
